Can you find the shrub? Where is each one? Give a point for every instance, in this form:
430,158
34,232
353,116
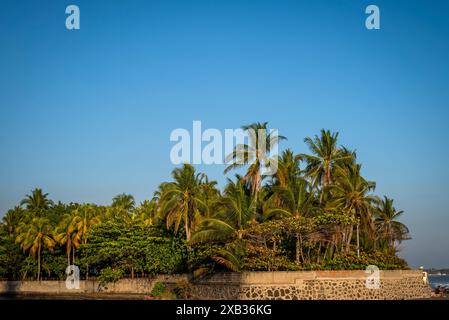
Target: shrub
266,259
109,275
164,256
351,261
158,290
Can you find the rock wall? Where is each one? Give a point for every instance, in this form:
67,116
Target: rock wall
306,285
313,285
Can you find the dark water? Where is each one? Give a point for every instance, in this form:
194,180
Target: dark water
436,281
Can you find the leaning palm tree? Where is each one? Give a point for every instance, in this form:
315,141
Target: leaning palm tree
325,157
351,193
181,200
34,237
387,228
37,203
256,154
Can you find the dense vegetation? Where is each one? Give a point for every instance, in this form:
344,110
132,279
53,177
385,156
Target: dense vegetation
316,212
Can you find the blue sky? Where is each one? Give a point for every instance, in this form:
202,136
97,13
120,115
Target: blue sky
87,114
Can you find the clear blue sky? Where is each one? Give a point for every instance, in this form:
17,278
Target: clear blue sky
87,114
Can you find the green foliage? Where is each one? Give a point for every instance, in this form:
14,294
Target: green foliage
164,256
28,268
329,218
161,292
351,262
159,289
110,275
312,219
54,264
261,258
11,258
133,247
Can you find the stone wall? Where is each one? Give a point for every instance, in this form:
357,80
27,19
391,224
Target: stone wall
305,285
312,285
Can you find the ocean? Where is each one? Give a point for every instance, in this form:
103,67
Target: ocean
438,280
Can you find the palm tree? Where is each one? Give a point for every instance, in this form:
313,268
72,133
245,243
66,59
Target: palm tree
37,203
147,212
12,219
295,201
325,157
84,219
256,154
67,234
210,194
123,206
351,193
387,227
35,236
181,200
288,169
236,210
124,201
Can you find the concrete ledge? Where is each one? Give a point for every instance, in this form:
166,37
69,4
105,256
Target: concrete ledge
300,285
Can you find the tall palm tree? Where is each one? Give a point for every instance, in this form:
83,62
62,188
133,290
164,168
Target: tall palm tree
67,234
35,236
351,193
325,157
256,154
210,194
12,219
387,226
37,203
288,168
84,219
181,200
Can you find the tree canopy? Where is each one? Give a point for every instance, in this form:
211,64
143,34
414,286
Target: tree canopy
316,212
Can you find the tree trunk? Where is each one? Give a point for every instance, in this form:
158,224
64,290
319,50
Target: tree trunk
39,262
298,245
358,241
325,251
319,253
348,242
301,256
187,232
87,264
